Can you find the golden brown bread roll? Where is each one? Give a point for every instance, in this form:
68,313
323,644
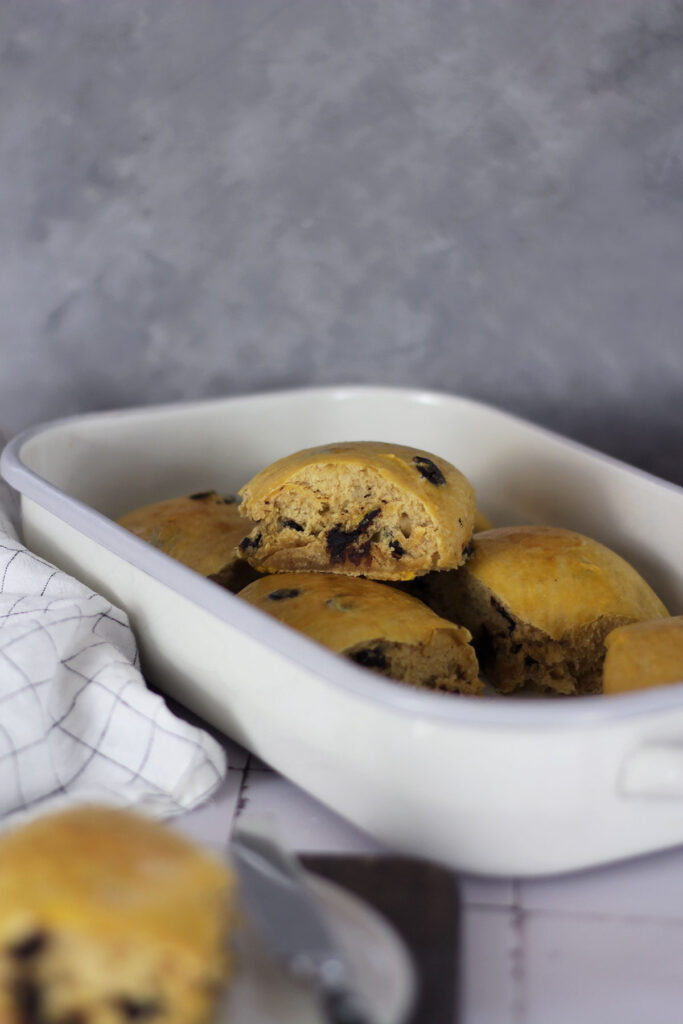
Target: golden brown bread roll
202,531
539,602
360,508
106,918
374,625
644,654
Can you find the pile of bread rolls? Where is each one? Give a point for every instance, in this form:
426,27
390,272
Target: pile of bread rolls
378,551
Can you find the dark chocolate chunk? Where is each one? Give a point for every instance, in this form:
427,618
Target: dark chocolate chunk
529,661
137,1009
291,524
200,495
367,519
370,657
30,946
485,648
340,542
283,593
429,471
337,541
460,521
250,542
358,554
396,550
506,615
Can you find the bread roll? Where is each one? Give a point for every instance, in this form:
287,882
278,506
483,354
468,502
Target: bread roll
108,917
370,509
202,531
374,625
644,654
539,602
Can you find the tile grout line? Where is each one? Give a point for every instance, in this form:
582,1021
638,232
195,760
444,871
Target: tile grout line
517,955
604,916
243,796
483,906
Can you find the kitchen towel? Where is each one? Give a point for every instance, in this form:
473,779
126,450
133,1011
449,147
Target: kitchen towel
77,722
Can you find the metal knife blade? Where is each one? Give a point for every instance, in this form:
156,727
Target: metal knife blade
286,915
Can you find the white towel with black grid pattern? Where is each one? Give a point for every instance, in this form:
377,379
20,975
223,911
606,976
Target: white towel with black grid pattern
77,722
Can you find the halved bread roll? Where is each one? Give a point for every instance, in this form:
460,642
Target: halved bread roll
360,508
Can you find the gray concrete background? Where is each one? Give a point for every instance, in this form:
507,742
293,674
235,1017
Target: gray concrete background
204,197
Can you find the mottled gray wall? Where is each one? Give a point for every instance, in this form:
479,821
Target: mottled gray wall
200,197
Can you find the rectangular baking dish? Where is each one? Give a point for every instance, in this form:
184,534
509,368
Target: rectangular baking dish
492,785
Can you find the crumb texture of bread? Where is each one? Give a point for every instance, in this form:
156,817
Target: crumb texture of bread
644,654
200,530
360,508
107,917
539,602
375,625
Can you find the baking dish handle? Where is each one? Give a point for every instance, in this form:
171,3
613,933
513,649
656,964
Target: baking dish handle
653,770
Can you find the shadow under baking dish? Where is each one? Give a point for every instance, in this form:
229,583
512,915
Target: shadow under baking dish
493,785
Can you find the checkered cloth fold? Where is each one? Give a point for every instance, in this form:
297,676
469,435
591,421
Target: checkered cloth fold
77,722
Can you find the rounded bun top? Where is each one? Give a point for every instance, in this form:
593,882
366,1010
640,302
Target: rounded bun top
557,579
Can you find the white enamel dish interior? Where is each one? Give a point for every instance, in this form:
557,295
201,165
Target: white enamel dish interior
491,785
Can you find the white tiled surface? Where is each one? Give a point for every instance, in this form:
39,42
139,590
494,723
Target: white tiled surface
588,968
487,966
591,948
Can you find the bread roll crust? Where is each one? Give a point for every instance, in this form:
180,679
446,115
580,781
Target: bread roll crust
558,580
200,530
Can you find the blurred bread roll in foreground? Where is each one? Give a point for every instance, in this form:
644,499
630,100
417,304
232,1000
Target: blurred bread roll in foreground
109,917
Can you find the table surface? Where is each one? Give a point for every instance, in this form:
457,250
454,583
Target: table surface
594,947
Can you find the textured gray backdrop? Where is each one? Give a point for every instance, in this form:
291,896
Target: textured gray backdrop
204,197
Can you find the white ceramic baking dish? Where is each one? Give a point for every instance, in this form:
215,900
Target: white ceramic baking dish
491,785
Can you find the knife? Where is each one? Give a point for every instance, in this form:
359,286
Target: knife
286,915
